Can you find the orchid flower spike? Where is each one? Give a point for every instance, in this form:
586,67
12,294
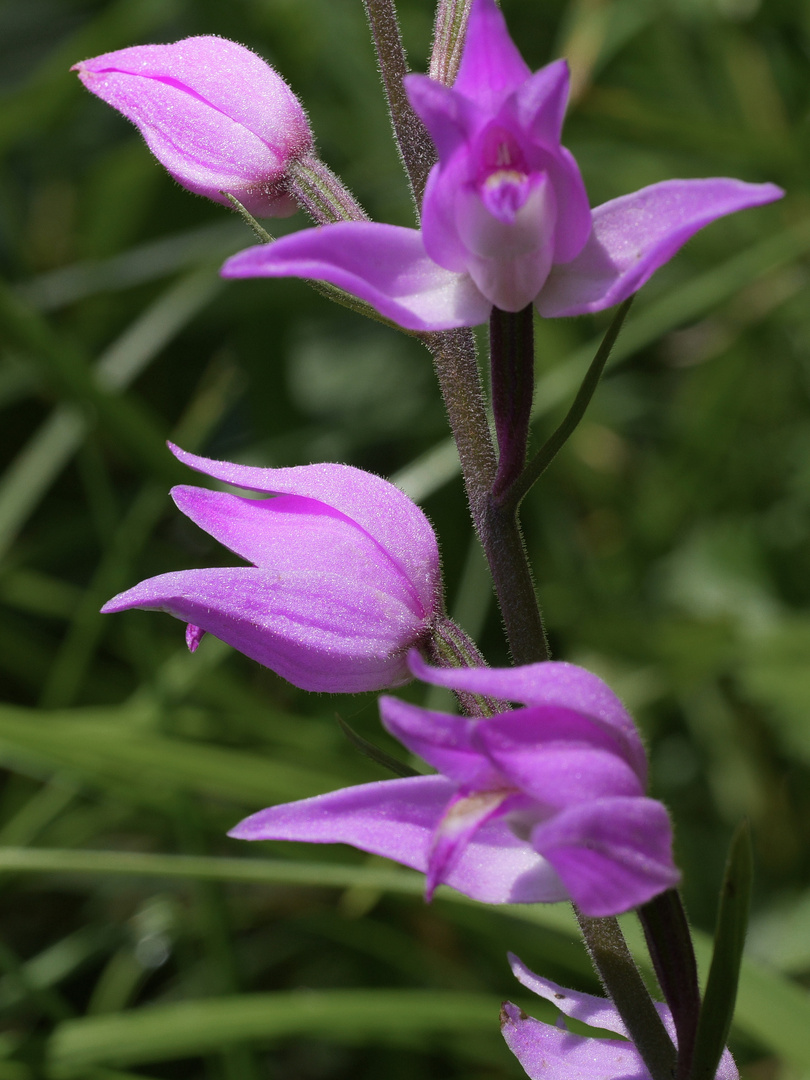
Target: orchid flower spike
344,579
505,217
554,1053
212,112
541,803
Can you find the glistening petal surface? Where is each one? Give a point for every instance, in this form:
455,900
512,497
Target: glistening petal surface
385,265
320,631
636,234
396,819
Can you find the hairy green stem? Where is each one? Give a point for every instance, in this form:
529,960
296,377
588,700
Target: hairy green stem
625,987
497,526
415,145
319,192
449,30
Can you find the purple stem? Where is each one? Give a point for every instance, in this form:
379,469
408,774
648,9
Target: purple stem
511,346
670,946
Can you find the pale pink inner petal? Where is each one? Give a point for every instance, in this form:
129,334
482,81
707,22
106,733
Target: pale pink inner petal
462,818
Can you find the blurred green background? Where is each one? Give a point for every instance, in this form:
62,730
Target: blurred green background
669,542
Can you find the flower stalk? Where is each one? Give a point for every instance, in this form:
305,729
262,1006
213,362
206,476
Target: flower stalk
621,979
415,146
319,192
449,29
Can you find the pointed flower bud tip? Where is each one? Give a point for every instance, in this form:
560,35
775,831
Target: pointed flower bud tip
218,117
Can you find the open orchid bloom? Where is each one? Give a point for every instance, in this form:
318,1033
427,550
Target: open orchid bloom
505,217
541,803
344,578
554,1053
212,112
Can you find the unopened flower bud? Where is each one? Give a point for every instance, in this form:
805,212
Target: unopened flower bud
219,118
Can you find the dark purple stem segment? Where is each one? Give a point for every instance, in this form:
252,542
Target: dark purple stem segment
670,946
415,145
511,344
496,525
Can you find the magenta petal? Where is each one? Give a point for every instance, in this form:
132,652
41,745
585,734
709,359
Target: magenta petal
491,65
547,1052
513,739
597,1012
442,740
396,819
611,854
319,631
555,775
379,508
385,265
552,683
449,117
636,234
439,228
288,533
539,104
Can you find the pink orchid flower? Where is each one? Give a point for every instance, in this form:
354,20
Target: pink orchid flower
505,217
344,579
541,803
